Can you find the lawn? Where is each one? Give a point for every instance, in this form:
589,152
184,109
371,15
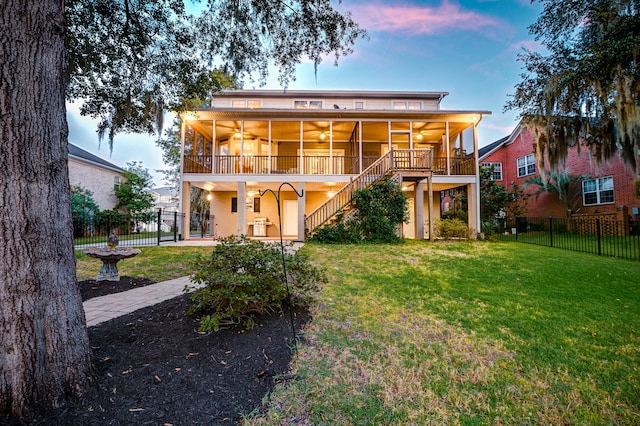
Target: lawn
157,263
466,333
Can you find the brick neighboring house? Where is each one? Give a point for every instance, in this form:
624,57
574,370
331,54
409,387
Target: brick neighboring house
95,174
609,189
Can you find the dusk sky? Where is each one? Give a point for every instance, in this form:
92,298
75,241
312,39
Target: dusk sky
466,48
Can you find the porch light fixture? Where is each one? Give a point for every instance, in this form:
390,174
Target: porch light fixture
323,136
331,192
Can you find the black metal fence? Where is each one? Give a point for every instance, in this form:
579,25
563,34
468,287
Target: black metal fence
604,237
143,229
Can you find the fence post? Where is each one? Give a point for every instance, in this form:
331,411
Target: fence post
550,231
158,224
598,234
175,227
517,230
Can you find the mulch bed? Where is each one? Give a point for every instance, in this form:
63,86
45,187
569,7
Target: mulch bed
154,367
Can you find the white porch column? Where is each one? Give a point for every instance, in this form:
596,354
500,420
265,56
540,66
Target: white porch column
185,209
419,209
473,192
302,202
430,201
212,216
241,224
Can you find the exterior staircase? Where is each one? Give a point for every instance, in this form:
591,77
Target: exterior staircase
413,164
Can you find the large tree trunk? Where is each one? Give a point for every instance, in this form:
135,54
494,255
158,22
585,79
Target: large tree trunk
44,347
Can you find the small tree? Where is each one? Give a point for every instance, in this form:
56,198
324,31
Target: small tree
83,210
496,202
134,194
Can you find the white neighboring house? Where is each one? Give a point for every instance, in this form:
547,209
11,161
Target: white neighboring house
95,174
165,198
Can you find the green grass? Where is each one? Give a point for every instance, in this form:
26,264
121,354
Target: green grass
121,237
158,263
627,247
467,333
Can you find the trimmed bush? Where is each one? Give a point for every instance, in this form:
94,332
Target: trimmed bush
451,228
242,278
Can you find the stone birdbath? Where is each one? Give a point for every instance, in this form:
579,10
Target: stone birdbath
110,257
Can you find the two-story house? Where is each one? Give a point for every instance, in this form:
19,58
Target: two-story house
325,145
608,189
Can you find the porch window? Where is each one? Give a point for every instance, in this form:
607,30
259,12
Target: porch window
526,165
238,104
597,191
496,172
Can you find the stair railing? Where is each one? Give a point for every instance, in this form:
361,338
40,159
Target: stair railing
394,160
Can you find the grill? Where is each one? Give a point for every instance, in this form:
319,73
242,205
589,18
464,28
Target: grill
260,226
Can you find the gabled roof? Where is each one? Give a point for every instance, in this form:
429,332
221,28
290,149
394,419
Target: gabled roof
81,154
485,151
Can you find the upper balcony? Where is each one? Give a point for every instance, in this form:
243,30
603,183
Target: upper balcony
308,165
227,142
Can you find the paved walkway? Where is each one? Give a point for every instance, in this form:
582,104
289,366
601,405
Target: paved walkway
104,308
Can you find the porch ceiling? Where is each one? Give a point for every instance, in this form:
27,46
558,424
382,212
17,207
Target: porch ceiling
286,124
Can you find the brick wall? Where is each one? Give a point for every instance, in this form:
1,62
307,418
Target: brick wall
96,179
521,144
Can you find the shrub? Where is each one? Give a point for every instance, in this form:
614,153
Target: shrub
451,228
338,232
242,278
378,212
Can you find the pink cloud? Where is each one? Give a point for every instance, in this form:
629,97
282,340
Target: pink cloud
418,20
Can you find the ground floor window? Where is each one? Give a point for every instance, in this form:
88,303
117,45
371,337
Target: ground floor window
597,191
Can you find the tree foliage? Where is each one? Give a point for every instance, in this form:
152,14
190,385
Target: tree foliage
170,146
562,184
585,89
377,213
497,202
130,60
134,194
82,202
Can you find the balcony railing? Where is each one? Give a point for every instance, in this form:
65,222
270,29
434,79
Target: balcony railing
318,165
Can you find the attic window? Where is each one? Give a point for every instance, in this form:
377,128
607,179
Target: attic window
304,104
411,105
